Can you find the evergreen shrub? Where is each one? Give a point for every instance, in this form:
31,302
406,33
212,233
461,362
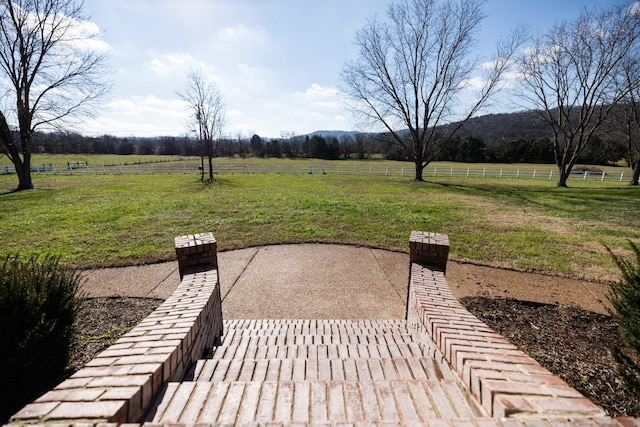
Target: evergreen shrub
39,302
625,302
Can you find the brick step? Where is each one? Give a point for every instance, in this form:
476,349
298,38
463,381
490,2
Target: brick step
287,337
254,350
359,369
316,327
400,401
250,337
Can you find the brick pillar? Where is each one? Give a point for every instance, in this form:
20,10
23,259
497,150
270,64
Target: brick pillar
196,250
429,249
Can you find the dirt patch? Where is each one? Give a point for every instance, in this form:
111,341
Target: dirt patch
475,280
103,320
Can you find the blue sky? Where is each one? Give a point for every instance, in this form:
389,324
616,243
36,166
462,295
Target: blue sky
276,62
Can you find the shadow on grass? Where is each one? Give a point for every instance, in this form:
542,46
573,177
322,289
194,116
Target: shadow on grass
14,191
586,203
216,182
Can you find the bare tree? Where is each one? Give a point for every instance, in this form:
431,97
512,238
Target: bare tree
292,144
53,73
573,77
632,138
630,118
207,114
413,68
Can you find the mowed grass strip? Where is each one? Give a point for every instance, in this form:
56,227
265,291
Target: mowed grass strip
110,220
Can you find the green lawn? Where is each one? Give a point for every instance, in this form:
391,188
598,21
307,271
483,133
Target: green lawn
117,220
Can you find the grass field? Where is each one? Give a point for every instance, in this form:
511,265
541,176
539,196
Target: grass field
107,220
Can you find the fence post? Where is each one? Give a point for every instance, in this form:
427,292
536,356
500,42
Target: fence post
603,174
534,174
551,174
586,173
518,173
435,171
500,172
621,176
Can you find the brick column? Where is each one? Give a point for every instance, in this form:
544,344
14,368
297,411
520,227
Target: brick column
429,249
196,250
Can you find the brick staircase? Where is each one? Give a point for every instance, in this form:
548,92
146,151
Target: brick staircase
316,371
184,365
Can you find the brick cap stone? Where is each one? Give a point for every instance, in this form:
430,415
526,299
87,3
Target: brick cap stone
191,240
429,249
428,238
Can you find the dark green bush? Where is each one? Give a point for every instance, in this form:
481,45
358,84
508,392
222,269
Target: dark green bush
625,299
39,303
625,302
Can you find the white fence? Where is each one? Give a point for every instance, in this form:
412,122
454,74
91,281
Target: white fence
151,169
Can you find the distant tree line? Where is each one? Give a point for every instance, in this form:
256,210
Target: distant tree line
359,146
470,149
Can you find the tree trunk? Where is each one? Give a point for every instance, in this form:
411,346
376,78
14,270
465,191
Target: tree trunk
563,176
635,177
562,180
24,177
22,165
564,171
210,155
419,170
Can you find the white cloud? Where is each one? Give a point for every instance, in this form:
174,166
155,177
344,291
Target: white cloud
319,91
87,35
314,108
140,116
239,44
171,64
270,77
